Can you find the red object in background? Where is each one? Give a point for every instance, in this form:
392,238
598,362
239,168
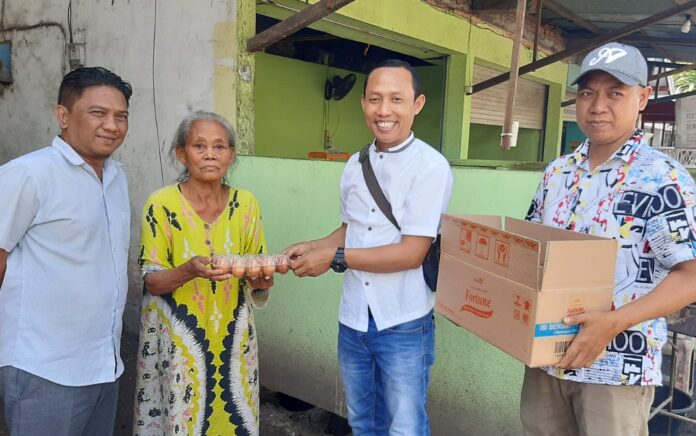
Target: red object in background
662,112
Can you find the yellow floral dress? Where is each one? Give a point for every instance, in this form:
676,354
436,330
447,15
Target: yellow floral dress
197,370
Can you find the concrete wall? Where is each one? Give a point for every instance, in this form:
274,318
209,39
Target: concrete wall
172,60
169,65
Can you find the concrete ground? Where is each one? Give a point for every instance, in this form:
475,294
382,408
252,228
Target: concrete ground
275,420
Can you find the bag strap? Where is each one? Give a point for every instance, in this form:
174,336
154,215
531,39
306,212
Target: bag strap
373,186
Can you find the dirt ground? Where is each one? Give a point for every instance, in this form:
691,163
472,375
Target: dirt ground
278,421
275,420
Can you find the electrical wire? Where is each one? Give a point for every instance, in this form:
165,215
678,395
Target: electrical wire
326,110
154,93
2,17
70,31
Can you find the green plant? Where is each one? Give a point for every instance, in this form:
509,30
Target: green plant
685,81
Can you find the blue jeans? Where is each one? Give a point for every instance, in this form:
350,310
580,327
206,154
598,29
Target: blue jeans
36,406
386,375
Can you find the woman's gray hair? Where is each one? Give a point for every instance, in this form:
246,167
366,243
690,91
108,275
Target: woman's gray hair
182,133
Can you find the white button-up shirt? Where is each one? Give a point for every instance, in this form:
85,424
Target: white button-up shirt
65,286
417,181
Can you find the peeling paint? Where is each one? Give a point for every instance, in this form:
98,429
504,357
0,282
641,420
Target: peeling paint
224,79
246,28
245,73
502,22
226,62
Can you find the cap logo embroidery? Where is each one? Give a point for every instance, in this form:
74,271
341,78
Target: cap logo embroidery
609,55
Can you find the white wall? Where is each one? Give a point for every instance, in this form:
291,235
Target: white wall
169,81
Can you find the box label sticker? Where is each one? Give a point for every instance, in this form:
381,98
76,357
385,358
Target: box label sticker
560,348
555,329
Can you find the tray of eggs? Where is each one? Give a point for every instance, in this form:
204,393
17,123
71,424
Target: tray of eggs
251,265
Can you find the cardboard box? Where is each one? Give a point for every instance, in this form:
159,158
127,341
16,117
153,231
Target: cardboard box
513,287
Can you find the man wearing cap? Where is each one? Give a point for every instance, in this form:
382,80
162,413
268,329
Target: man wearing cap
615,185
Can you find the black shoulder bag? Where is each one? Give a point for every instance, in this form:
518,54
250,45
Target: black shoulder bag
431,263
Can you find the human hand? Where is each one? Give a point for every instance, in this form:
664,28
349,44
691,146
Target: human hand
199,266
260,282
313,263
597,329
298,250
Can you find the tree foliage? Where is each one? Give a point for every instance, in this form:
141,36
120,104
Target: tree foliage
685,81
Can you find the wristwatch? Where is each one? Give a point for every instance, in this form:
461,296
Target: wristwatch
338,263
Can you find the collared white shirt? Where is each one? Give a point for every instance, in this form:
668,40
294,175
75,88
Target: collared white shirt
417,181
65,286
645,200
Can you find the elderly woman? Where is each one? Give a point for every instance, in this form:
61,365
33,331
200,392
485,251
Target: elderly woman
197,365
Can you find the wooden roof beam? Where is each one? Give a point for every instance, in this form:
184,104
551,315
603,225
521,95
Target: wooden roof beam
506,137
537,24
294,23
681,69
672,97
572,16
642,37
593,43
660,40
664,64
588,25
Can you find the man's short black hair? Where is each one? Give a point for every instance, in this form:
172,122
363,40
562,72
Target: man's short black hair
75,82
397,63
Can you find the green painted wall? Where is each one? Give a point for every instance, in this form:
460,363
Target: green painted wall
290,108
475,387
428,124
484,143
572,136
416,28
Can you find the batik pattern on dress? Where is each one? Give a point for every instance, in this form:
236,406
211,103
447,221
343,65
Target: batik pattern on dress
197,370
645,200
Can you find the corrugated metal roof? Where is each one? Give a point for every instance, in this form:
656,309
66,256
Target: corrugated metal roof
663,39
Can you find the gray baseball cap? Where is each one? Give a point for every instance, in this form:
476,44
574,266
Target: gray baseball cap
624,62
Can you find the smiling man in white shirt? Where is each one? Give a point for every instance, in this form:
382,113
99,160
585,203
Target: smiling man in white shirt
64,237
386,329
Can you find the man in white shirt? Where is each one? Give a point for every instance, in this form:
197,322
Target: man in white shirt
64,237
386,329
